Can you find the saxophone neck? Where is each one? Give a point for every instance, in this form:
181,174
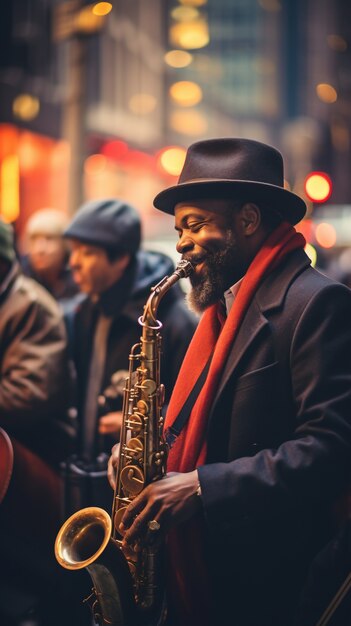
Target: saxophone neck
183,270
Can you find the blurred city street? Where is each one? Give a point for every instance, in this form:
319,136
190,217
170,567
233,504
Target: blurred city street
102,100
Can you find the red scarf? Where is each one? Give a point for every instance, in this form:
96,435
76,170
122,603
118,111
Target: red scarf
189,587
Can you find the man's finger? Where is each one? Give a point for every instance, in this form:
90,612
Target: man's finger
133,509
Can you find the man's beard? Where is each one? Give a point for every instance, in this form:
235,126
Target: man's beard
220,272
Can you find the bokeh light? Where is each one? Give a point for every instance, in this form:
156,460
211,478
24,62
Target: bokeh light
102,8
193,3
186,93
325,235
26,107
171,159
318,186
184,13
10,188
178,58
191,35
326,93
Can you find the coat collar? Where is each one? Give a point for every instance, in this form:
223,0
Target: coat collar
268,296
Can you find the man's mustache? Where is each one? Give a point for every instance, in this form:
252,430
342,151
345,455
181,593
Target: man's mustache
193,259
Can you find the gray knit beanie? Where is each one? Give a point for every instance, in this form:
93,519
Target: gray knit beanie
110,224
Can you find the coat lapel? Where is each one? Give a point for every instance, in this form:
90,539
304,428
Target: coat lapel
270,295
253,322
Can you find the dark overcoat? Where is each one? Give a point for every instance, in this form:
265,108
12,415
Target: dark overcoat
279,444
124,302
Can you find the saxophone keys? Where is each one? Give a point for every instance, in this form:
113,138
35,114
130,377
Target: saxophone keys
135,423
132,479
158,458
143,407
161,395
117,520
149,385
135,448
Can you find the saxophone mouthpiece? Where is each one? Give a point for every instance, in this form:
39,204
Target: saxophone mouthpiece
185,268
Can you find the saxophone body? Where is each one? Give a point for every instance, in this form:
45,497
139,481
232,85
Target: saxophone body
128,584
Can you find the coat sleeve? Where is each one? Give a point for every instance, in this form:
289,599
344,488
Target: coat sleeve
34,366
314,462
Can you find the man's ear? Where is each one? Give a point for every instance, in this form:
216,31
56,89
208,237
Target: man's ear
250,218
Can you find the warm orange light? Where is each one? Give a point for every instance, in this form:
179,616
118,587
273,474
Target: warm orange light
318,186
86,21
95,164
193,3
26,107
102,8
326,93
172,159
9,179
325,235
184,14
178,58
186,93
31,153
193,34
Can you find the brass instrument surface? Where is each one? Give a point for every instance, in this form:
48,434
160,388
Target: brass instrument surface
143,452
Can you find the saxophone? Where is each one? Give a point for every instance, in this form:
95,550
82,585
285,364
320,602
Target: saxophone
128,588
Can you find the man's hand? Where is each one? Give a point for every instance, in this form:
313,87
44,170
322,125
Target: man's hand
169,501
110,424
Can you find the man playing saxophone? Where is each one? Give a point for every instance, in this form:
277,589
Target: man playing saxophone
258,424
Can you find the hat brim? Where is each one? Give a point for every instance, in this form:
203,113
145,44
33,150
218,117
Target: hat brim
290,206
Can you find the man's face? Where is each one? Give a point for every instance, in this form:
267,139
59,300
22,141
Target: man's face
47,252
91,268
210,239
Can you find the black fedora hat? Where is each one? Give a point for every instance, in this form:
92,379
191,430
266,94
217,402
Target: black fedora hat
237,169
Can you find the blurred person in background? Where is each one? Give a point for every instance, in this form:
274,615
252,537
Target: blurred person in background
46,254
33,403
116,276
34,356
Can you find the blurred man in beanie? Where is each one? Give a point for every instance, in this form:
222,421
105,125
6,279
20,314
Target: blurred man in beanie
33,388
266,447
46,254
116,276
